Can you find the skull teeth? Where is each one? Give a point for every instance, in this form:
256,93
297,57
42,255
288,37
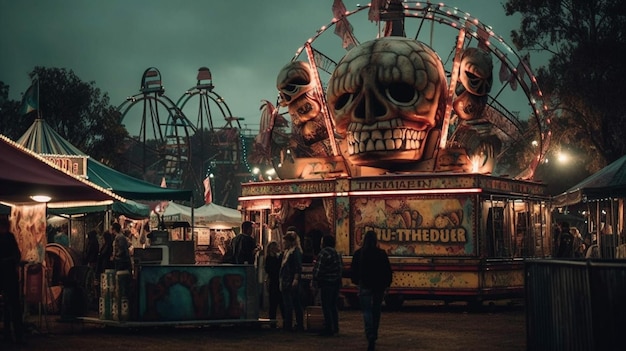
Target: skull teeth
394,139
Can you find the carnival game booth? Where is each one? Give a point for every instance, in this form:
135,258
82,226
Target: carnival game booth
601,198
196,294
449,236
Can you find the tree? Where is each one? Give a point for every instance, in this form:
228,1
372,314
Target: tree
583,79
10,124
77,110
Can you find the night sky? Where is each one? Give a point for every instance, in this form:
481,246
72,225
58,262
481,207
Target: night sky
243,43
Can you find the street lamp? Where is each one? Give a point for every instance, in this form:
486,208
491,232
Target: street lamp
562,157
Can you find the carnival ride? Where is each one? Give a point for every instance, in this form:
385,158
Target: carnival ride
479,109
177,151
437,156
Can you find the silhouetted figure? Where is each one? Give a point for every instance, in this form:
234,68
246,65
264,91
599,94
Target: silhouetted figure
272,269
371,271
244,246
327,277
290,278
10,258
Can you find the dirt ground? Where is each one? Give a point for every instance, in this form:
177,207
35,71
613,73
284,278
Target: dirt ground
418,325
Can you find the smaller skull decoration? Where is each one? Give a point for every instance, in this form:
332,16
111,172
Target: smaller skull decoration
297,91
387,96
476,78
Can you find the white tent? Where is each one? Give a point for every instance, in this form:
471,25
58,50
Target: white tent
211,215
176,212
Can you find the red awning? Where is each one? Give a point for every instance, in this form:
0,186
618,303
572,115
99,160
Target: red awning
24,174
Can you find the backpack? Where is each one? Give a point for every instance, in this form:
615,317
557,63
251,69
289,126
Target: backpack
229,255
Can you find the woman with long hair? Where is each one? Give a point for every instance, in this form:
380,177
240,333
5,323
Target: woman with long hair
371,271
290,278
273,260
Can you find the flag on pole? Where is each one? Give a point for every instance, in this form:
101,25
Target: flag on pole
208,197
30,100
505,73
163,204
343,28
374,11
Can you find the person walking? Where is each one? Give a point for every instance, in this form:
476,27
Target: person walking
10,259
290,277
272,269
244,246
371,271
327,276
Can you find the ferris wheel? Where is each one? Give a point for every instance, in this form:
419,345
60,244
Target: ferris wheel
449,32
160,150
171,147
218,145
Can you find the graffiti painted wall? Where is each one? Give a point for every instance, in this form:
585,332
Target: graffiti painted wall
180,293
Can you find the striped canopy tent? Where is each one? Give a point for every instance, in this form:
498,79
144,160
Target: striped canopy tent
44,140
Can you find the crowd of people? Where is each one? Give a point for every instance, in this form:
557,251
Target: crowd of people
570,243
370,271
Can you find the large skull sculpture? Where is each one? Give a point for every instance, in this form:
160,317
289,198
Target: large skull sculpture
387,97
297,92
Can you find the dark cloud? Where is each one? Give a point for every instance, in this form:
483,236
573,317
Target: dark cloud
112,42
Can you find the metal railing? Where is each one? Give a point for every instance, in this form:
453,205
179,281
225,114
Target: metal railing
575,304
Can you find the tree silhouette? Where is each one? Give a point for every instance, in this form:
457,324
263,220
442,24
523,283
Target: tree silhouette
584,77
75,109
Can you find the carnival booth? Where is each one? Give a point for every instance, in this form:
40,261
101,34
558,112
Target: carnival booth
211,292
600,199
31,179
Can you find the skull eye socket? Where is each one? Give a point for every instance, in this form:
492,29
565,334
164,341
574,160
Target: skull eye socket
474,80
402,94
290,88
342,101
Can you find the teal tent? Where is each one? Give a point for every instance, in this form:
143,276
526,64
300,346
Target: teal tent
609,182
44,140
130,209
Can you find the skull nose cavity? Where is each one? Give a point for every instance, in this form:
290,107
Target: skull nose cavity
370,108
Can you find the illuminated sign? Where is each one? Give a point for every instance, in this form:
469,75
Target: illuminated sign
416,226
277,188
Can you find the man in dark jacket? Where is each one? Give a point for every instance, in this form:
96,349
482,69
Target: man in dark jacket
327,275
244,246
10,258
371,271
